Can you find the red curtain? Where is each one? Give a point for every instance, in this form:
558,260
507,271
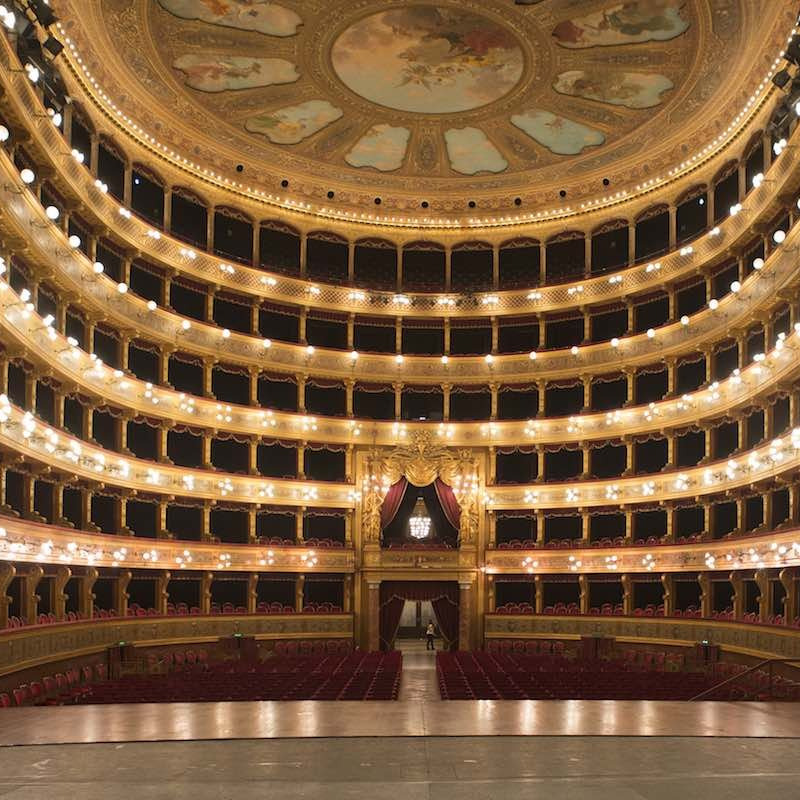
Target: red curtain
446,612
391,503
448,502
443,596
391,611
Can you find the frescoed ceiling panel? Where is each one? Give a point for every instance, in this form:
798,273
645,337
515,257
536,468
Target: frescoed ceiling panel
375,94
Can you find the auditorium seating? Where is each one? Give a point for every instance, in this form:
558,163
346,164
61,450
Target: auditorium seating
316,675
520,674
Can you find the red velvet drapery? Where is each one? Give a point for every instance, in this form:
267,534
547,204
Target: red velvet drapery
391,503
443,596
448,502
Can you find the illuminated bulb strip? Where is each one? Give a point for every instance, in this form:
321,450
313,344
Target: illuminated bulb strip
207,339
91,86
34,439
778,550
27,542
249,279
73,365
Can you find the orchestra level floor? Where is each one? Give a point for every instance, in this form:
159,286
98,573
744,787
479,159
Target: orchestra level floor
411,768
418,748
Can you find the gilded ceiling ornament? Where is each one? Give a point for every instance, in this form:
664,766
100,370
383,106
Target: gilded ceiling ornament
616,55
261,16
224,73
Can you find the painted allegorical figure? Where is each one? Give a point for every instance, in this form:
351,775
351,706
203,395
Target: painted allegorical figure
624,23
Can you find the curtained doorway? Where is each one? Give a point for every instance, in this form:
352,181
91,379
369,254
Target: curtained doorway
443,597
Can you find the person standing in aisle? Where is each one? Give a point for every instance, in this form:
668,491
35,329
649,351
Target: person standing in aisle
430,633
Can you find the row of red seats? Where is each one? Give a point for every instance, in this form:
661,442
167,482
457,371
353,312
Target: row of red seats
618,541
754,685
62,688
486,676
419,546
323,543
306,647
353,676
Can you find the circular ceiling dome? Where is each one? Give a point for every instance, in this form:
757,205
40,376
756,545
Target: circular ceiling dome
499,106
433,59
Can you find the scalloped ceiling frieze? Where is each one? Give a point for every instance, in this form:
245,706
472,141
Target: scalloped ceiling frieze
293,89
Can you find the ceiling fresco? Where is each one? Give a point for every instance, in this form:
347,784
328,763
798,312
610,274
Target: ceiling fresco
432,59
377,93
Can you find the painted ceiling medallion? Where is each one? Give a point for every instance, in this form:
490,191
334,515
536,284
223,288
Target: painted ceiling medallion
448,101
223,73
428,59
383,147
624,23
246,15
629,89
471,152
559,134
292,124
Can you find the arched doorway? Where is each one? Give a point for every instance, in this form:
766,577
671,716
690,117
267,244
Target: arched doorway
442,595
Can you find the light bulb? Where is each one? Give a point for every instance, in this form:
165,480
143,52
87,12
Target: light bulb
5,134
532,355
713,304
758,264
97,268
488,358
310,350
758,179
152,305
650,333
574,350
615,342
267,343
736,287
353,355
27,176
52,213
226,334
779,236
122,288
74,241
445,359
684,320
185,324
398,358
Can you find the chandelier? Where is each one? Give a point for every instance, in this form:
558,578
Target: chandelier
419,523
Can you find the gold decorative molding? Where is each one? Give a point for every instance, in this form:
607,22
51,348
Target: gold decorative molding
23,648
421,462
758,640
723,54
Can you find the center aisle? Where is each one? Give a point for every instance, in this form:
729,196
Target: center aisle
418,678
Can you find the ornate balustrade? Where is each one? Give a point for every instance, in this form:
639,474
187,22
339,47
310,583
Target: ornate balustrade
25,331
22,648
48,248
758,640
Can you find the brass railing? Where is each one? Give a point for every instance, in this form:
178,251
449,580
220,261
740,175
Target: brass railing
767,662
